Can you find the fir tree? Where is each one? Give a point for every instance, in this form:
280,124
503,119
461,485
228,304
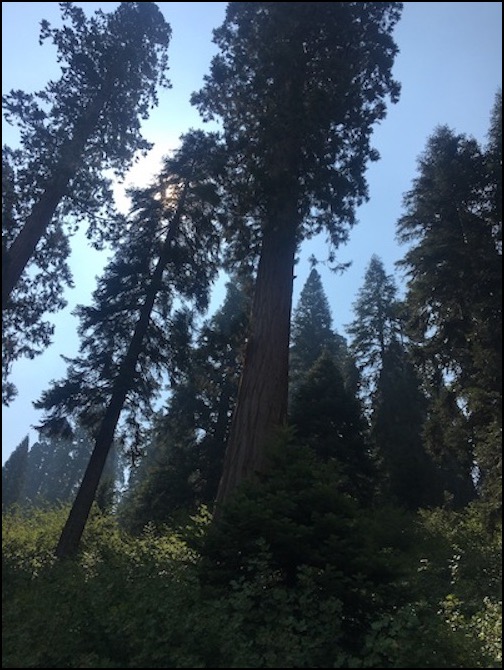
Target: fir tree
328,419
311,332
399,410
375,325
14,474
454,268
183,461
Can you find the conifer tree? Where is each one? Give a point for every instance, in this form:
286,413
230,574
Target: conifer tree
452,223
298,87
14,474
172,249
86,122
183,461
328,418
407,473
311,332
375,325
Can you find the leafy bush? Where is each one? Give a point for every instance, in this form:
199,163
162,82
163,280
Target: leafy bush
294,574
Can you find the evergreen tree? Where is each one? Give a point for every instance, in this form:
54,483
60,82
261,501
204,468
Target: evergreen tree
449,441
311,332
375,325
298,86
454,267
399,409
183,462
14,474
172,250
328,419
73,130
57,462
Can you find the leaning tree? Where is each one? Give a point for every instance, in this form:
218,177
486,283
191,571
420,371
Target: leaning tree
72,132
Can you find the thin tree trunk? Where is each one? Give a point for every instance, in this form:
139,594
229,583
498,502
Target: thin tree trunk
74,527
262,395
21,250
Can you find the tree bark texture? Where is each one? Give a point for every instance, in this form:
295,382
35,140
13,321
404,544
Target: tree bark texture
262,395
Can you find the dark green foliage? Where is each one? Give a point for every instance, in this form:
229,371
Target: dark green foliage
448,439
311,332
454,269
86,122
329,420
399,409
14,475
183,462
419,592
292,82
375,325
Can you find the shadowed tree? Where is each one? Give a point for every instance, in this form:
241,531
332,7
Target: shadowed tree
171,250
406,471
86,122
298,87
375,325
14,475
453,224
311,332
329,420
183,461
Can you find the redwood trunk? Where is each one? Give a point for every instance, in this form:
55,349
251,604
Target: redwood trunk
262,395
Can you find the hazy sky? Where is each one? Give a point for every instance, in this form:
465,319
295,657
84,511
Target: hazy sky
449,67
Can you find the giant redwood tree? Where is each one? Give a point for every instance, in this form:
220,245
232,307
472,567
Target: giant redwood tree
86,122
298,87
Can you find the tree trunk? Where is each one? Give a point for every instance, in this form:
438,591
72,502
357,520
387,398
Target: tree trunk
69,540
262,395
21,250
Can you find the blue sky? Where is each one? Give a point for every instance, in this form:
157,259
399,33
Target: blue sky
449,66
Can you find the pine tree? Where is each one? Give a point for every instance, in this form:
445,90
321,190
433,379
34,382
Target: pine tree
375,325
408,476
448,439
298,87
183,461
454,268
14,474
73,130
311,332
172,250
328,419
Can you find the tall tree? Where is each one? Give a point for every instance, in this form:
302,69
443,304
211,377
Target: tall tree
449,440
14,474
71,132
399,409
56,463
452,223
173,246
298,86
183,461
311,331
328,418
375,325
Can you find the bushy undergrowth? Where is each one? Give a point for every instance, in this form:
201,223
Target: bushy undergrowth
290,576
